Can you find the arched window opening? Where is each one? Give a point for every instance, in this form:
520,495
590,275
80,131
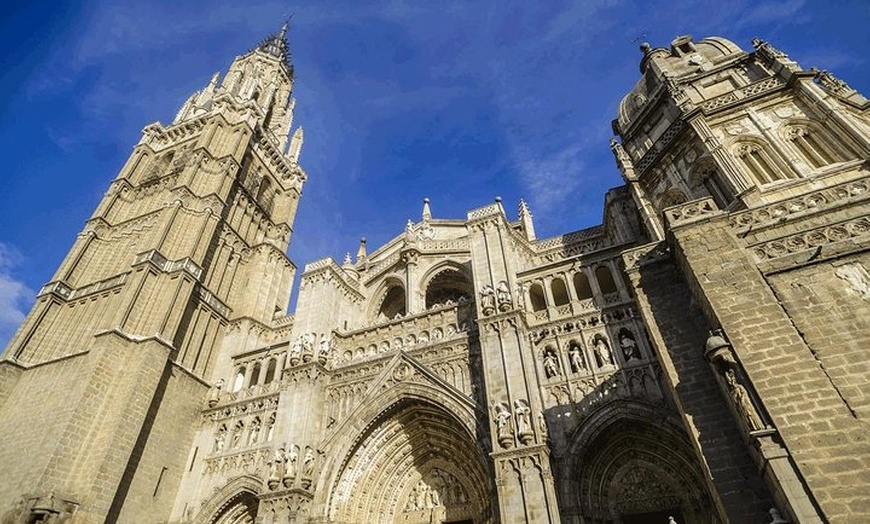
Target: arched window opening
265,194
758,163
536,296
560,292
581,286
807,144
448,286
240,380
393,305
270,371
672,197
255,374
605,280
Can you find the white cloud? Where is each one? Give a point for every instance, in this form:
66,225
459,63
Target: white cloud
14,294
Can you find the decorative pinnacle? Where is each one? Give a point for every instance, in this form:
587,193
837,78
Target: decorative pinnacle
277,46
361,252
427,211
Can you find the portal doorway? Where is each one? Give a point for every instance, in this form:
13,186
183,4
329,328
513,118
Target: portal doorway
415,465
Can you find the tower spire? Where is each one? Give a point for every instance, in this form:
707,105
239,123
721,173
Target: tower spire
277,46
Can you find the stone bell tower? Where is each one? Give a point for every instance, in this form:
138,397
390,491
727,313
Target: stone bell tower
189,240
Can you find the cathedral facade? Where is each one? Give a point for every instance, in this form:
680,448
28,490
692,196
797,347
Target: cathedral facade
700,357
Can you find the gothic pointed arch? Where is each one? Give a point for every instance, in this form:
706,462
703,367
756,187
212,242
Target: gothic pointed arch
629,462
389,300
235,503
411,452
446,282
414,462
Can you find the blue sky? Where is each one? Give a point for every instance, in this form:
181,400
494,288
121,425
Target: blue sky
458,101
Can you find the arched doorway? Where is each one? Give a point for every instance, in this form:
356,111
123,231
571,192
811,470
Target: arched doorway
240,509
414,464
629,467
237,502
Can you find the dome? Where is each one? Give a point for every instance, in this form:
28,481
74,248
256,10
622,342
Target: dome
684,57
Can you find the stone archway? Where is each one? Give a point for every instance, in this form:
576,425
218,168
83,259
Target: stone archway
629,467
236,503
415,464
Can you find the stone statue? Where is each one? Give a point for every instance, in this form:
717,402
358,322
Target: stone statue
254,436
542,424
487,299
296,351
220,438
551,364
629,346
237,434
742,402
308,463
290,458
576,357
523,414
502,421
214,394
277,463
603,351
503,296
325,346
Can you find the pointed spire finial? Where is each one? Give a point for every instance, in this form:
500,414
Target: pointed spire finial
427,211
525,216
277,46
361,252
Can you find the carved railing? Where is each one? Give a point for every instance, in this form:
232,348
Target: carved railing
444,323
756,88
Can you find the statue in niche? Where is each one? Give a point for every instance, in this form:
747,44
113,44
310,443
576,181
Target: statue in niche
214,394
255,431
236,439
503,296
307,346
576,357
290,457
487,300
296,351
308,462
523,415
325,346
276,465
551,364
742,402
628,345
542,425
270,427
502,423
602,351
220,438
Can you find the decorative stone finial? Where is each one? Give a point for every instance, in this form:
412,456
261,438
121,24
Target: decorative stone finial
645,47
347,260
361,252
427,211
498,200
